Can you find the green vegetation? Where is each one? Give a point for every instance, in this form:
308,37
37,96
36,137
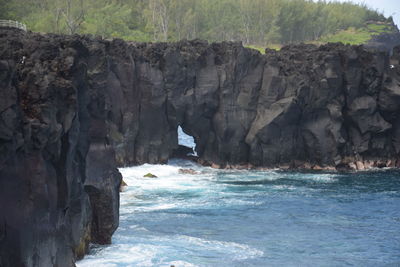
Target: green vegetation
261,23
355,36
380,28
261,49
350,36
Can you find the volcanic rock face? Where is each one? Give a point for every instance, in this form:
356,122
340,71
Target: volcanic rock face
304,105
72,108
59,186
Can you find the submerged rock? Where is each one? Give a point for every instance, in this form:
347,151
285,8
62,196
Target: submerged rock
150,175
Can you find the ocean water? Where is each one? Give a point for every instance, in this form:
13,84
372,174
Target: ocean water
254,218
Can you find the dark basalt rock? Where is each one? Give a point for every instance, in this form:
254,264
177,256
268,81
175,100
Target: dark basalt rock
183,152
76,107
323,106
55,194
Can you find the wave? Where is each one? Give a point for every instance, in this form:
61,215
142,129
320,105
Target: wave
159,251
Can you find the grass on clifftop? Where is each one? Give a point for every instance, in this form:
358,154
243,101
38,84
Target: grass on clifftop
261,49
355,36
352,36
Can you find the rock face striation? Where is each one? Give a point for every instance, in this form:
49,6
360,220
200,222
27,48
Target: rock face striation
73,108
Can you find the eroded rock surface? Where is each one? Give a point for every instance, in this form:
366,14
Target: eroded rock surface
76,107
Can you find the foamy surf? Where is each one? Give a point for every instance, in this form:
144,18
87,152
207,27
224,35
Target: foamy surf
251,218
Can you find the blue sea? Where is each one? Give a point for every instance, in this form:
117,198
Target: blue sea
254,218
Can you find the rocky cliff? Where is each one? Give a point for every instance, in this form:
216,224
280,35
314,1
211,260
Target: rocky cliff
73,108
59,185
332,106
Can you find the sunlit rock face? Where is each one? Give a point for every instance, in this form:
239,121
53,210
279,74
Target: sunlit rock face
73,108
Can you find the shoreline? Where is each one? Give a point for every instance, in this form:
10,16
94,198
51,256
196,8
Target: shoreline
344,166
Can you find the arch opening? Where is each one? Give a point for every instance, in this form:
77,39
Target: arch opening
186,144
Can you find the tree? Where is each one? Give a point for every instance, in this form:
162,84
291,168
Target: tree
256,22
157,15
74,14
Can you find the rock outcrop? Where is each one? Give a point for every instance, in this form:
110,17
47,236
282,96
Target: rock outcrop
73,108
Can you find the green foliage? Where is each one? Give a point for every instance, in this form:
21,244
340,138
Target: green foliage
350,36
103,22
380,28
355,36
260,23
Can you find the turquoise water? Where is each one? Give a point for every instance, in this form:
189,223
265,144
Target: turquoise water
254,218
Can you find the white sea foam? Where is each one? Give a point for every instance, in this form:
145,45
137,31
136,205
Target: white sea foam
285,187
225,217
325,178
173,190
232,249
138,228
146,248
122,255
315,177
161,251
